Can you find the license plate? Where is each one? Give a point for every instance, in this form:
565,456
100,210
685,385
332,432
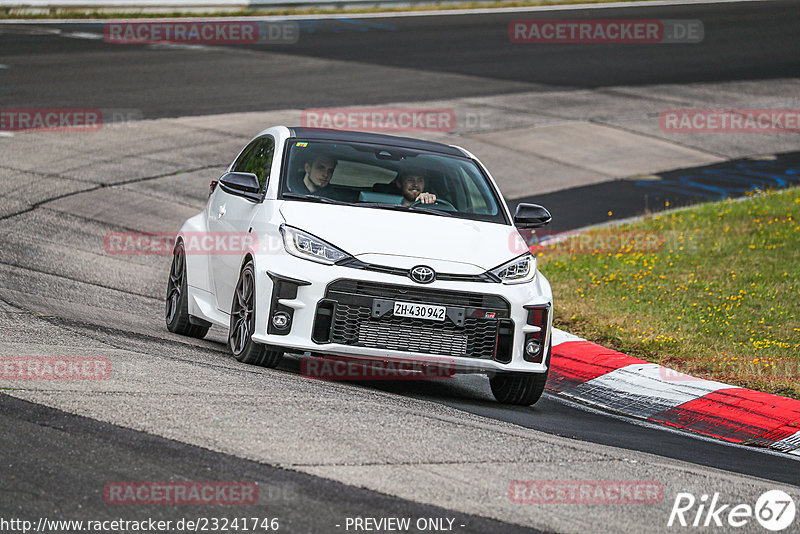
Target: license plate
420,311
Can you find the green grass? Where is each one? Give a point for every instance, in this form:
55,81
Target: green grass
712,290
23,13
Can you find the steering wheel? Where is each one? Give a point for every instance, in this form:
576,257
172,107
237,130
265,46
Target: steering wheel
440,203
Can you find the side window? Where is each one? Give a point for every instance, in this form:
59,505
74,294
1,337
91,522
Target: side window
257,159
479,196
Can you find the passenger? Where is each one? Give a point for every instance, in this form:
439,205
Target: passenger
412,185
318,173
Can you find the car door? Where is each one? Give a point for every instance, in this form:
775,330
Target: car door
229,221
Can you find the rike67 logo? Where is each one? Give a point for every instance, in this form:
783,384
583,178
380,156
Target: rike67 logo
774,510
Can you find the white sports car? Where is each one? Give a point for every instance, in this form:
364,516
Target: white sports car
370,247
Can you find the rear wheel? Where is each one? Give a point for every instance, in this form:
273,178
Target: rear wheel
177,302
523,389
243,320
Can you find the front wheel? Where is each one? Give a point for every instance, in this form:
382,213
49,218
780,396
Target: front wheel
243,320
522,389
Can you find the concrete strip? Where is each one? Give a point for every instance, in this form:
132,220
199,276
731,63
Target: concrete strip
748,94
609,151
595,105
518,173
187,188
51,294
35,187
12,206
533,143
102,205
81,253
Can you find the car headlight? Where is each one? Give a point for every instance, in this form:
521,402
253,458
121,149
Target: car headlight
304,245
517,271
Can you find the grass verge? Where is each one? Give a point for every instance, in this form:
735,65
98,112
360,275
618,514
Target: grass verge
66,13
712,290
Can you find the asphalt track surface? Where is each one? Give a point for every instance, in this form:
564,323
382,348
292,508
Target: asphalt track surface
369,61
104,452
346,63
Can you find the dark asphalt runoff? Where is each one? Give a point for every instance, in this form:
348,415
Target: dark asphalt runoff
571,208
398,59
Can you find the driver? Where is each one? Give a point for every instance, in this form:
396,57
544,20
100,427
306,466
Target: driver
412,184
318,173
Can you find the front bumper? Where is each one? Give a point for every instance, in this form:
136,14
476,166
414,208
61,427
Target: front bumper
331,313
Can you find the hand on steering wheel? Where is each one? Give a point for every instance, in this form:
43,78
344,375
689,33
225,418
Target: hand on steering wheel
437,203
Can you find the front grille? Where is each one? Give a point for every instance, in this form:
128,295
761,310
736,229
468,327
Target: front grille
414,338
353,322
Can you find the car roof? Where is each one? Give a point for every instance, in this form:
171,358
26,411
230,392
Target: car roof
373,138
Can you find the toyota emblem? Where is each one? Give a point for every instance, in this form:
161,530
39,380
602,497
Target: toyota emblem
423,274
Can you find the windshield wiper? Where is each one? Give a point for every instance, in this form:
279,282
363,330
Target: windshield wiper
397,207
315,198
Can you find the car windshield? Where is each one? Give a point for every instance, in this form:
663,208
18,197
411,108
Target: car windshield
386,177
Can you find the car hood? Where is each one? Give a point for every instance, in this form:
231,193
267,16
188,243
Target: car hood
400,239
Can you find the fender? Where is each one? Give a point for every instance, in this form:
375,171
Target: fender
197,272
263,291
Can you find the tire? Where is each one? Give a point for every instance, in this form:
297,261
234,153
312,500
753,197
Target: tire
522,389
243,320
177,302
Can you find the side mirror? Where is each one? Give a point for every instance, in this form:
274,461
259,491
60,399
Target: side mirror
243,184
531,216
